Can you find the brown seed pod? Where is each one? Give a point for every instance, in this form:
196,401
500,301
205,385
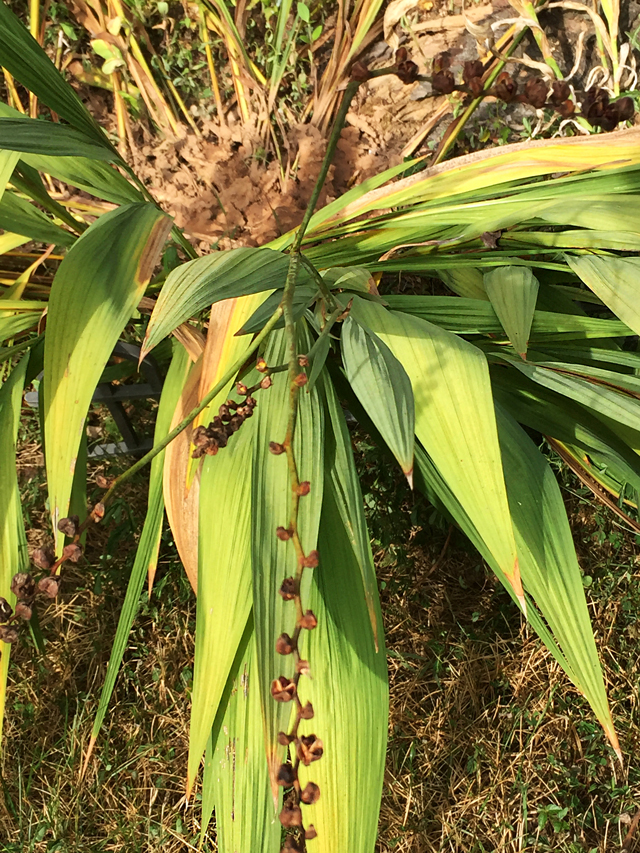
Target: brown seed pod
103,482
97,513
566,109
308,621
288,589
282,689
286,775
23,610
267,382
311,794
505,88
302,667
23,585
309,749
72,552
8,633
306,712
441,62
303,361
291,845
49,586
43,558
472,68
560,92
283,534
535,92
284,740
311,560
291,816
69,526
284,644
6,611
360,72
310,832
625,109
300,380
407,72
443,83
303,488
276,448
261,365
242,389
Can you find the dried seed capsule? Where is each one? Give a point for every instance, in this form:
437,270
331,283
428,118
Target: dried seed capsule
560,92
505,88
276,448
242,389
224,413
8,633
43,558
302,667
72,552
535,92
286,775
566,109
23,610
311,560
49,586
360,72
261,365
102,482
23,585
6,611
309,749
267,382
291,845
236,422
291,816
69,526
97,513
283,534
282,689
288,589
310,832
311,794
303,488
300,380
441,62
443,83
472,68
306,712
284,740
308,621
284,644
200,437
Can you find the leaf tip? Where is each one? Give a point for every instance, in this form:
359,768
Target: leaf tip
409,476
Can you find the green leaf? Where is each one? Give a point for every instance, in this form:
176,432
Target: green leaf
303,296
224,581
149,545
236,777
20,217
12,324
513,292
383,387
8,160
96,288
23,58
13,541
35,136
221,275
455,420
348,691
465,281
615,281
272,559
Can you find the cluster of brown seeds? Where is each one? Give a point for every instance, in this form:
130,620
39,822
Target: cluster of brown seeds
230,417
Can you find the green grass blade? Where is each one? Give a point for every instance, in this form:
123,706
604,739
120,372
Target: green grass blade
25,60
272,559
222,275
455,420
20,217
8,160
224,581
348,691
12,324
47,137
383,387
13,540
236,778
615,281
93,176
513,292
93,294
148,547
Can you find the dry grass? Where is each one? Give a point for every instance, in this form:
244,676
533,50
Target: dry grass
485,732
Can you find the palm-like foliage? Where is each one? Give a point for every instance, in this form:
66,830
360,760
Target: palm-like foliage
525,237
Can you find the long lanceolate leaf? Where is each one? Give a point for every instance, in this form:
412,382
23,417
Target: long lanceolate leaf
94,292
455,421
348,688
23,57
148,547
272,559
13,540
40,137
236,778
513,292
615,281
384,389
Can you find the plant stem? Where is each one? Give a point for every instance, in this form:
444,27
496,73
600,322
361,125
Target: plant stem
217,388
